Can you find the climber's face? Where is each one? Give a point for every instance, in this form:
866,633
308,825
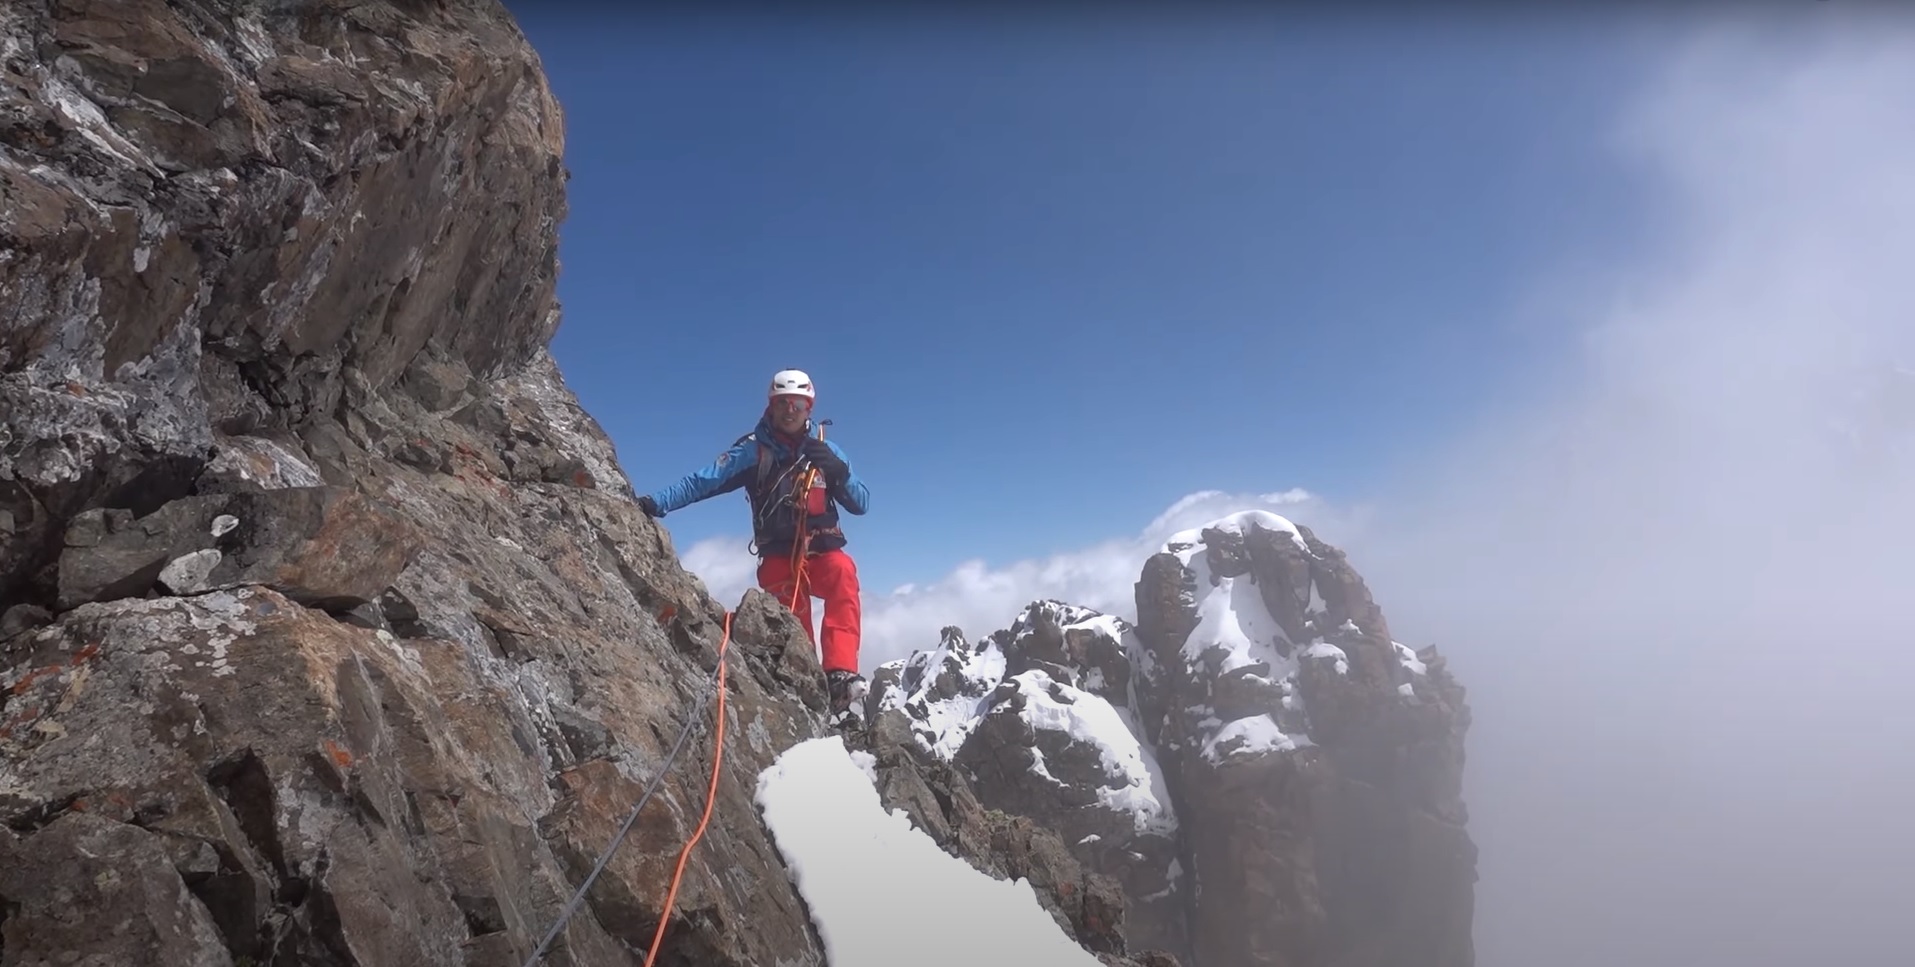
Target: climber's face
789,413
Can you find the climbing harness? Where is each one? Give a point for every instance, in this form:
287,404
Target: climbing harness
691,720
800,496
794,501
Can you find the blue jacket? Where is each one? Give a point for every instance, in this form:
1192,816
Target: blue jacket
738,467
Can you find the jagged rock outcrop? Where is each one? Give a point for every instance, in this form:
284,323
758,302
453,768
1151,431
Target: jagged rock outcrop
940,800
1317,761
1040,720
1270,778
331,635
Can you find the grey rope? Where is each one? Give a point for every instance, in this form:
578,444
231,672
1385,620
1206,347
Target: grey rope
578,896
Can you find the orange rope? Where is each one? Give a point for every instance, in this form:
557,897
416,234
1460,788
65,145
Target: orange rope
711,797
718,754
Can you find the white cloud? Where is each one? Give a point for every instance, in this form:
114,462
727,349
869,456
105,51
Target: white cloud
725,564
1678,588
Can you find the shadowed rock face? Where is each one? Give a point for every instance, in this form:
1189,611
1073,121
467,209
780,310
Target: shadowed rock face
224,221
328,632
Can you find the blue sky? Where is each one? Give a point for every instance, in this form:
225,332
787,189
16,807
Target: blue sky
1052,275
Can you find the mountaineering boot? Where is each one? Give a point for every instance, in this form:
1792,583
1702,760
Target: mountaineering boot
847,697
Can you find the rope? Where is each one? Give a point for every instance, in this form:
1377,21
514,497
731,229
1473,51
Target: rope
799,547
711,797
691,721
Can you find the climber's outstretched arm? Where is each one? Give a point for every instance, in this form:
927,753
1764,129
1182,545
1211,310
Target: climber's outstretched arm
723,475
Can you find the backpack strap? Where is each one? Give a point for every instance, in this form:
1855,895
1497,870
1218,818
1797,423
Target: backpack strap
763,463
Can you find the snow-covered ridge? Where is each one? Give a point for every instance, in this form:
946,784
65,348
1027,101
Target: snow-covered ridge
1190,542
948,692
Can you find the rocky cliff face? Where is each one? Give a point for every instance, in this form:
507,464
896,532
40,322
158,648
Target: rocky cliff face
1258,771
330,633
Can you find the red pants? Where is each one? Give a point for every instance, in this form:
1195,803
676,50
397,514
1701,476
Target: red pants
832,576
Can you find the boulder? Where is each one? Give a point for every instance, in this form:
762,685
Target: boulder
327,547
96,891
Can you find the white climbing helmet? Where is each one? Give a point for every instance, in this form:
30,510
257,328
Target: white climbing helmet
792,382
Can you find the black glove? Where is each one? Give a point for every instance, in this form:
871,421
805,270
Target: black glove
649,506
827,461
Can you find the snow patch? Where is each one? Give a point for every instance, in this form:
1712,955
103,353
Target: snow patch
823,817
867,763
1251,736
1231,616
1408,659
1235,630
1088,718
1189,543
1323,649
946,690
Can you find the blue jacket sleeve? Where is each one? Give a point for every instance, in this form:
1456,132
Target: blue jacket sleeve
852,496
721,475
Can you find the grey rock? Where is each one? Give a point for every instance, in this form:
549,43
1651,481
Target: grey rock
1045,773
249,463
188,573
88,890
324,546
216,215
23,617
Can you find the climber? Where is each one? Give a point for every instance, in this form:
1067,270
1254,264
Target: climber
769,463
